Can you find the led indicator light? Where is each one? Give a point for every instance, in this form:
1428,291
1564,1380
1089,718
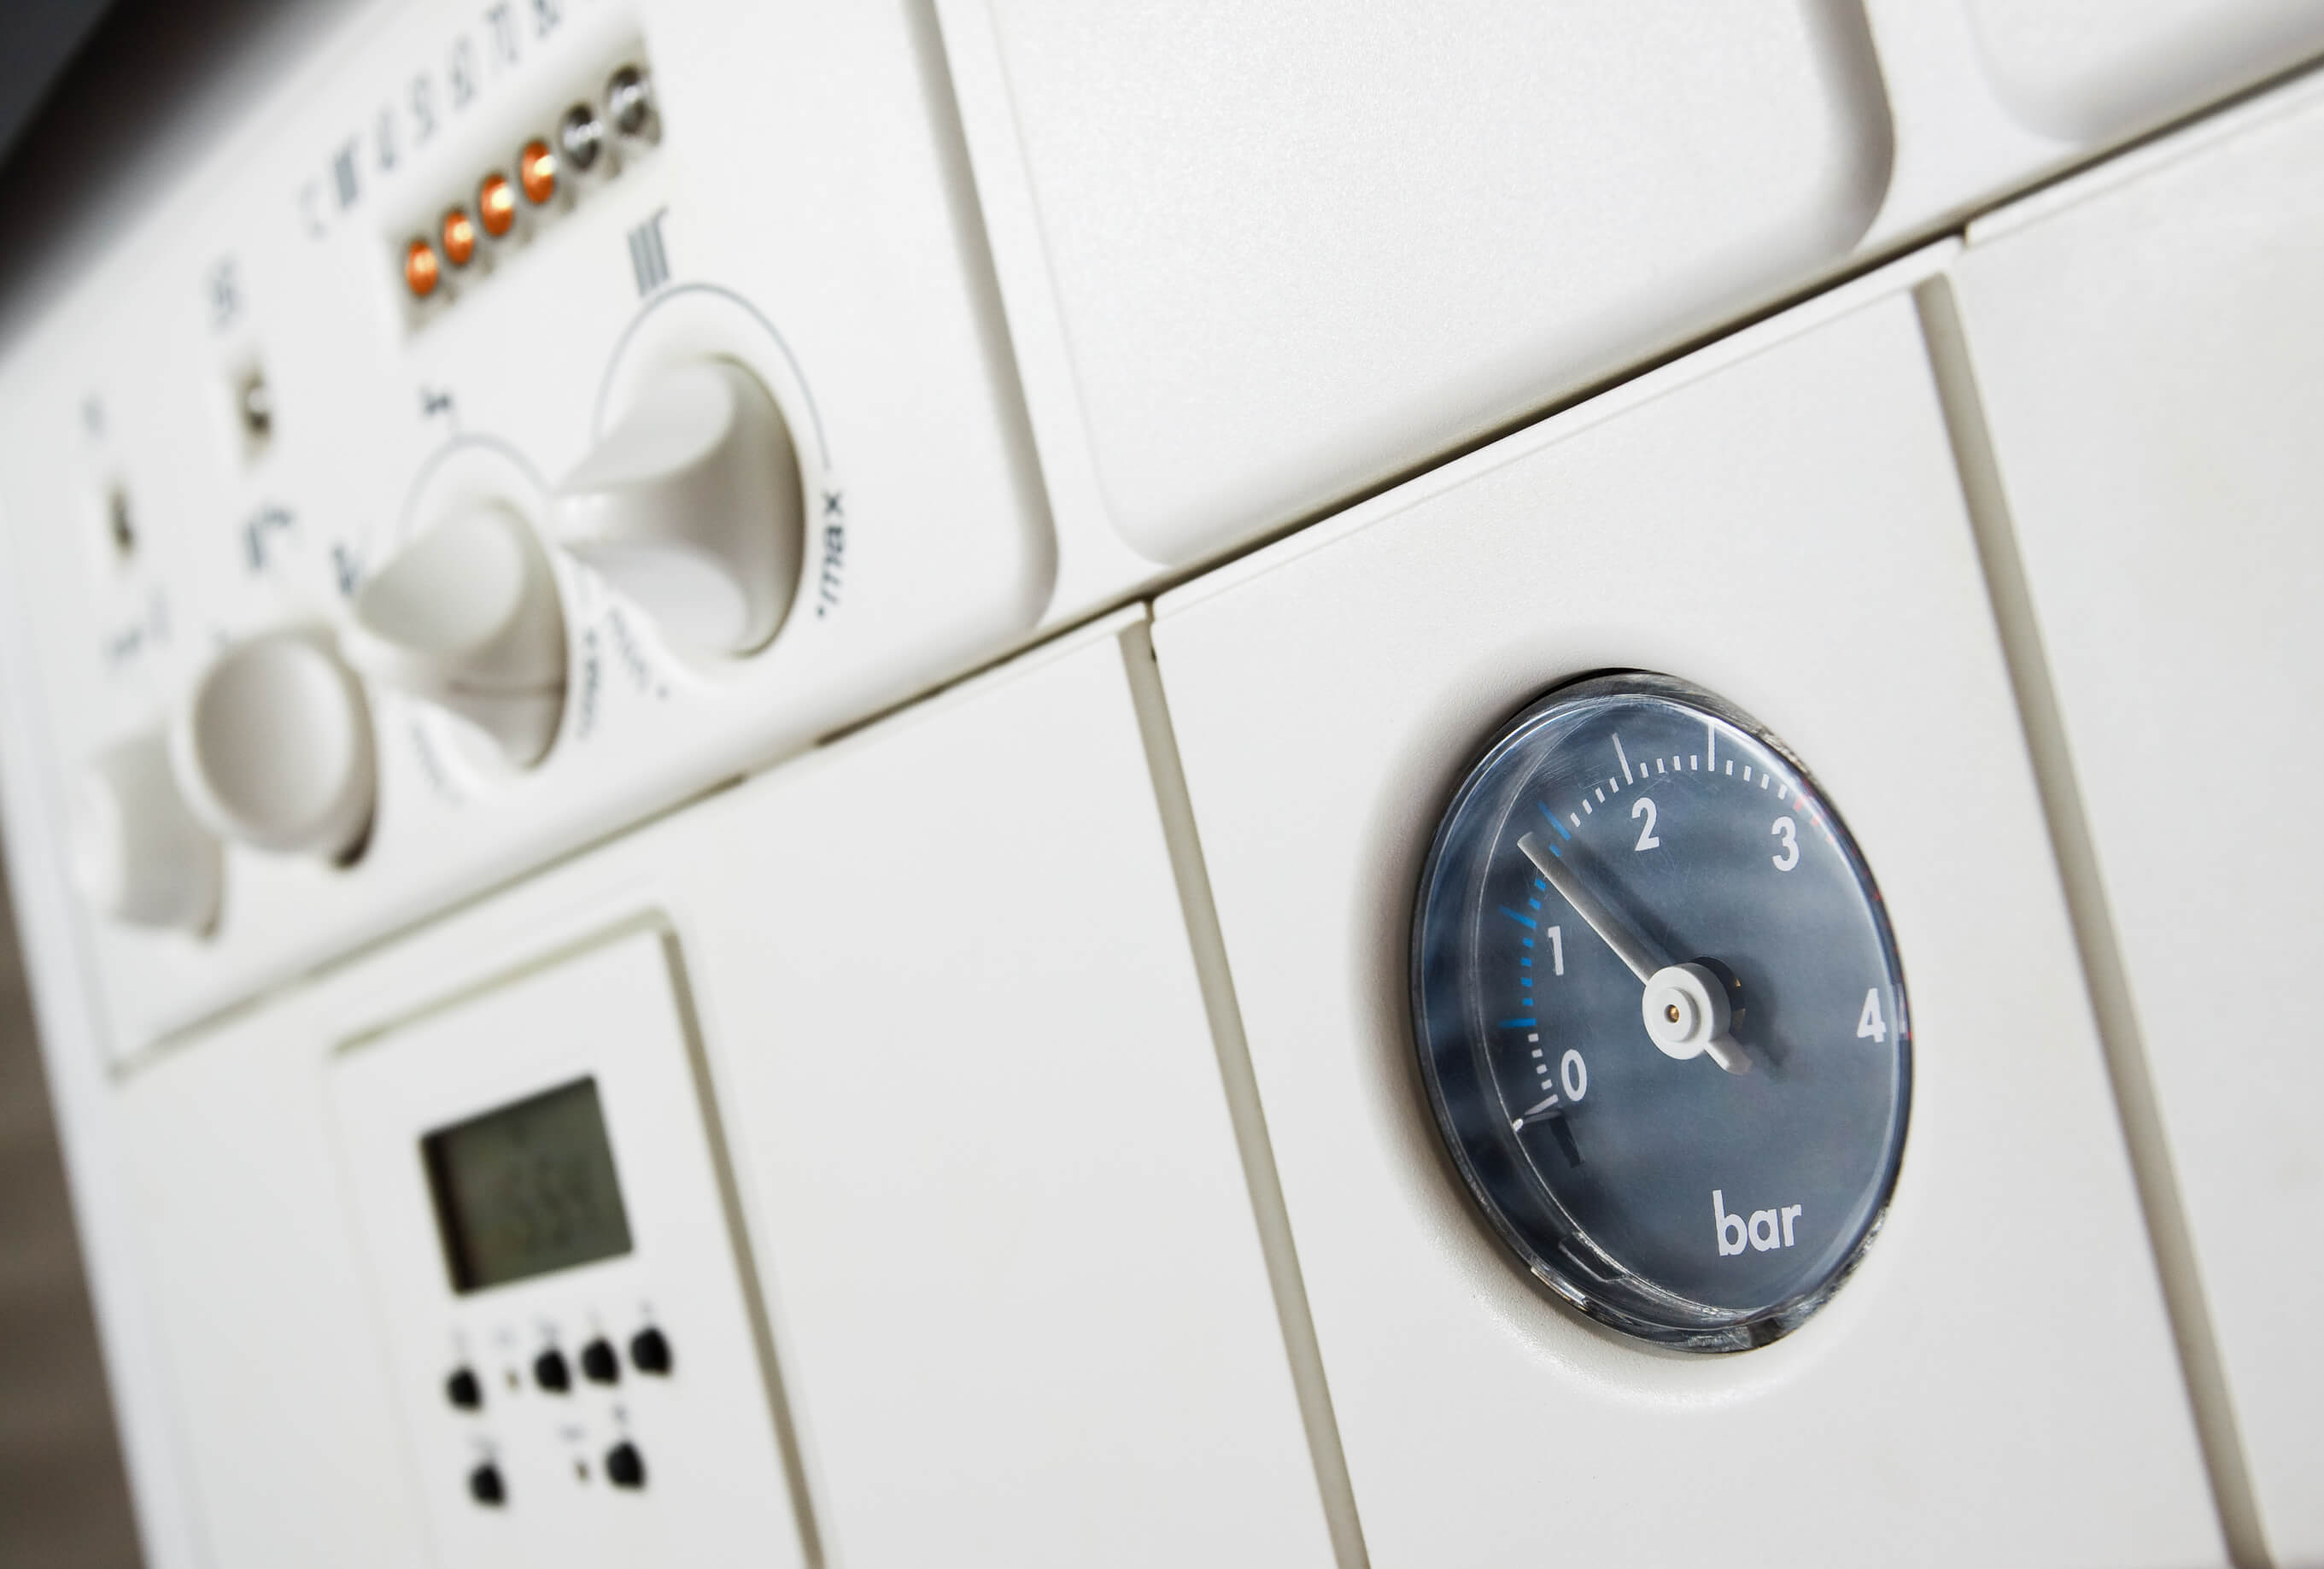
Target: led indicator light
459,237
421,269
496,203
536,170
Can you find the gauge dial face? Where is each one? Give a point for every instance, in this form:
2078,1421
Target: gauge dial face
1660,1016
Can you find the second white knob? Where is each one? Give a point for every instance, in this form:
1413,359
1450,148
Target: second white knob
466,617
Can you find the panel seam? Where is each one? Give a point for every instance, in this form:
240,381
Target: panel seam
1241,1082
2080,877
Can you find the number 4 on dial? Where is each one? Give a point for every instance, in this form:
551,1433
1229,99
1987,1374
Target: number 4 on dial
1869,1024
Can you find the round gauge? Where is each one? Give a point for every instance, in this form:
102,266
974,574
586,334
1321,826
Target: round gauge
1660,1015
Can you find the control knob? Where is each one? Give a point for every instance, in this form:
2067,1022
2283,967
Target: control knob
274,747
690,505
137,853
466,617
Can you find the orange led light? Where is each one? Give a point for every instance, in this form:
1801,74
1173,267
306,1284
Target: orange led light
459,237
421,269
536,170
496,203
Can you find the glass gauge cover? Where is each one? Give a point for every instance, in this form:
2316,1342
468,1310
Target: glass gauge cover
1659,1014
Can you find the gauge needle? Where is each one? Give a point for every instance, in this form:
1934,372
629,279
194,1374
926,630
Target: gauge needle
1684,1006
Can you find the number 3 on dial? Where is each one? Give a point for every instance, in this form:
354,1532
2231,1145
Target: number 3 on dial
1790,857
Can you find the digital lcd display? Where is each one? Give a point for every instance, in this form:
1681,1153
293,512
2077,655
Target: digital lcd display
527,1188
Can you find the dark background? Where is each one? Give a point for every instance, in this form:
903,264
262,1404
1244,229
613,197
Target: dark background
64,1500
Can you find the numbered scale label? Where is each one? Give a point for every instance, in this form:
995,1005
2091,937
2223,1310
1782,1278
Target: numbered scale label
1660,1015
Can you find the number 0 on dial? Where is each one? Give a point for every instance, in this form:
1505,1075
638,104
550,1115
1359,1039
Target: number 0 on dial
1660,1015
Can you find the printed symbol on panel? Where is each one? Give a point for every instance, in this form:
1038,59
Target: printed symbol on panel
648,260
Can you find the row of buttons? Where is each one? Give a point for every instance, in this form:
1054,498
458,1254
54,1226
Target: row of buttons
624,1467
650,1353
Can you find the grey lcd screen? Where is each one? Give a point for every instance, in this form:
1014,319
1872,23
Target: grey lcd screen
527,1188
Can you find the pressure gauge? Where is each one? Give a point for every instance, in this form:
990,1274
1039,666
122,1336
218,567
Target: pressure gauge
1659,1014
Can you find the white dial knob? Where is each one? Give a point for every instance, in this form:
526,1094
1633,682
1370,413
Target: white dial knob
274,747
466,617
137,853
690,505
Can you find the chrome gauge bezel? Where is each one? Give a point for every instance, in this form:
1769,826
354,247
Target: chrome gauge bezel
1466,1101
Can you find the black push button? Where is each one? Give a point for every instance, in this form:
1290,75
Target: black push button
549,1372
624,1466
484,1485
599,1365
463,1389
650,1351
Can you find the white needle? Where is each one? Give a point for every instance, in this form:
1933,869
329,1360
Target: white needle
1633,948
1684,1006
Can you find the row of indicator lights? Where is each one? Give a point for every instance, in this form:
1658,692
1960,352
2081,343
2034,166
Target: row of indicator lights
649,1353
624,1467
580,140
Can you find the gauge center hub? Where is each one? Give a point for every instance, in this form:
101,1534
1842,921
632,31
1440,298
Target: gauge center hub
1685,1010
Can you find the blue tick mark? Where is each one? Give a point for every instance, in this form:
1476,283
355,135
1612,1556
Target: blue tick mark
1524,921
1550,817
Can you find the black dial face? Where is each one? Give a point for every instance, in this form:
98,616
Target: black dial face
1660,1015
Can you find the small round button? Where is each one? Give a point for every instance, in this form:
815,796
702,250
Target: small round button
486,1487
650,1351
464,1391
276,749
550,1373
624,1466
599,1365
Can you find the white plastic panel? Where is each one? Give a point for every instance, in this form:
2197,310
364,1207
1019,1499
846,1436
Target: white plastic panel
803,213
2089,70
2151,361
957,1054
281,1407
1007,1223
1258,257
1780,522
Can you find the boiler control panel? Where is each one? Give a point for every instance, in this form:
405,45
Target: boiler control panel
532,417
